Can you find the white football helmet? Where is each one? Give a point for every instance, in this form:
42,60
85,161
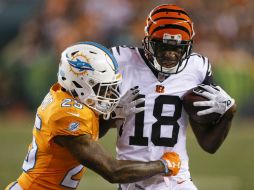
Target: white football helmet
89,72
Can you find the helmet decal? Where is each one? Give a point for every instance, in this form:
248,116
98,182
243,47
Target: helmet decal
89,72
106,51
177,37
80,65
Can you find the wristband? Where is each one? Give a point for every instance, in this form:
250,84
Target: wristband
165,165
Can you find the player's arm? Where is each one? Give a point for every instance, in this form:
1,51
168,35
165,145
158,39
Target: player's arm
105,125
210,137
89,153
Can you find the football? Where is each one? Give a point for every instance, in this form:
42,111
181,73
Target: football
188,98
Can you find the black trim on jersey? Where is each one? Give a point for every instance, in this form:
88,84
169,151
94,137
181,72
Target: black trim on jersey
200,56
187,60
13,185
166,26
170,10
203,59
118,50
127,46
193,54
208,79
119,187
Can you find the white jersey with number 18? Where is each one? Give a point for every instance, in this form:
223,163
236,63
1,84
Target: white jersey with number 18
162,126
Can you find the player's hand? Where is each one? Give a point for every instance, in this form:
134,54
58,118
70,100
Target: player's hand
127,104
218,100
172,163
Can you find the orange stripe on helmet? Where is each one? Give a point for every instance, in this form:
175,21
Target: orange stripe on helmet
169,19
166,24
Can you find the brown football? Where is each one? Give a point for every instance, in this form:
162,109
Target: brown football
188,98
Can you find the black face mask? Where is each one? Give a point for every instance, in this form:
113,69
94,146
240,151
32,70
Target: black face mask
171,46
168,53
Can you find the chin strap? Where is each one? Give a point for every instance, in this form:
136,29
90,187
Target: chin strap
165,70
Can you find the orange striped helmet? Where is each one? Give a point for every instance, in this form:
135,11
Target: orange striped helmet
168,25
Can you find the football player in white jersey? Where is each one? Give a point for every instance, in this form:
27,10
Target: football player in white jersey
164,70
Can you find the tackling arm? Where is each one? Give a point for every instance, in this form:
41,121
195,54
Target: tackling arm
105,125
92,155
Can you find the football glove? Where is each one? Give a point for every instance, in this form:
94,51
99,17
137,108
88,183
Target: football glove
218,100
127,104
172,163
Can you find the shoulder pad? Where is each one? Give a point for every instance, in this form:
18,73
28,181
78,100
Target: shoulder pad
123,51
69,107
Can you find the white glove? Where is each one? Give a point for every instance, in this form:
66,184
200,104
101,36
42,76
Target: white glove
127,104
218,100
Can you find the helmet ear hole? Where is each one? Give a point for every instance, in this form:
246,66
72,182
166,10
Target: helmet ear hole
96,88
73,53
74,93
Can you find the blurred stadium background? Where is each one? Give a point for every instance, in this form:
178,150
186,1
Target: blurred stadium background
34,32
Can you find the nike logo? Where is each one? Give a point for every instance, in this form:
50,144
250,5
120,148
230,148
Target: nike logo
74,114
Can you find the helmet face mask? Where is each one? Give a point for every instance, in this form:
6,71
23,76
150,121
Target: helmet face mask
168,41
89,72
105,98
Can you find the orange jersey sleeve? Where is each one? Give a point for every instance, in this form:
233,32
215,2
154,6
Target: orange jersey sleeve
48,165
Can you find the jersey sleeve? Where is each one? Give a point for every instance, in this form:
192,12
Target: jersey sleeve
203,69
74,123
126,57
208,76
123,53
70,126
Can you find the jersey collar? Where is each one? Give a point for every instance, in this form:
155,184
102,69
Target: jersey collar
160,76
